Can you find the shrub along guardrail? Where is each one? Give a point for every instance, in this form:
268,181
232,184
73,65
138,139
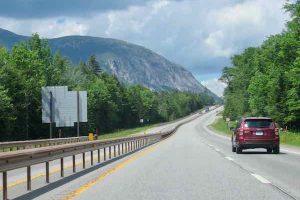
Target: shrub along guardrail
120,146
30,144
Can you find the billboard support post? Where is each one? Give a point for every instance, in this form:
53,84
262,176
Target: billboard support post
78,113
51,117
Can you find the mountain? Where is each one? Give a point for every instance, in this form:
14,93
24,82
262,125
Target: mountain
132,64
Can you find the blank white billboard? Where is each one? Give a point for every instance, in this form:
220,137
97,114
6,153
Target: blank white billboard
64,106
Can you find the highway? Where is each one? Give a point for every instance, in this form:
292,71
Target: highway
194,163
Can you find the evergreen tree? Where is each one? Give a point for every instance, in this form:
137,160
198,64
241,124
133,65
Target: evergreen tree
94,65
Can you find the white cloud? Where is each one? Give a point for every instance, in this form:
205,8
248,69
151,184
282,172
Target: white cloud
215,86
199,35
51,27
248,23
214,43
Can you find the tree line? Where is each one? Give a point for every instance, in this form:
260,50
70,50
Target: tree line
265,81
29,66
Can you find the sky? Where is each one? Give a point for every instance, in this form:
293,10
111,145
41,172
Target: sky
200,35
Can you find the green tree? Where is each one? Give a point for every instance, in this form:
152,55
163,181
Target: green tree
94,65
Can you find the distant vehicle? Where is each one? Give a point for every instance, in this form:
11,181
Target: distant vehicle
256,132
206,109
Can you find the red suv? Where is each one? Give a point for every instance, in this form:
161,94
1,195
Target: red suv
256,132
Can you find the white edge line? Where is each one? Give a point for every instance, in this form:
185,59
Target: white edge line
229,158
288,151
261,179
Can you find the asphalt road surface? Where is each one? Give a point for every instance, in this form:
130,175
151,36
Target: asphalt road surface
195,163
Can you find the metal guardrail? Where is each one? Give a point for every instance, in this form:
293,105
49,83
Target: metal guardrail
114,147
30,144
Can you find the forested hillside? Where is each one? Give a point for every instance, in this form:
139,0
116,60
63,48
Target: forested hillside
265,81
111,105
131,64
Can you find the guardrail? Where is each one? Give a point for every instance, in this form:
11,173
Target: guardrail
114,147
30,144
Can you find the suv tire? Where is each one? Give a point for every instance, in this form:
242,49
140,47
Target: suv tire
269,150
233,149
276,150
239,150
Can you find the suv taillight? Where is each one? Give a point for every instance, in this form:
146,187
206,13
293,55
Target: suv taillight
241,132
276,131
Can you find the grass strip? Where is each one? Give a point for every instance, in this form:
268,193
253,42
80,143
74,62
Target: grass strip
124,133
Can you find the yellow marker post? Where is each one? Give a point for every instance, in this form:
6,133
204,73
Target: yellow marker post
91,136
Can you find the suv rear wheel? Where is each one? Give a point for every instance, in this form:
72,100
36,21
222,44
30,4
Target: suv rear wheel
239,150
269,150
276,150
233,149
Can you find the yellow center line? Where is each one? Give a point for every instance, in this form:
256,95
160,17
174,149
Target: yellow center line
105,174
21,181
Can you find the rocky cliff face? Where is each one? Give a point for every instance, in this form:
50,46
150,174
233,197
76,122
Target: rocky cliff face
132,64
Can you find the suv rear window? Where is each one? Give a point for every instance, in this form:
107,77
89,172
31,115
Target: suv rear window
258,123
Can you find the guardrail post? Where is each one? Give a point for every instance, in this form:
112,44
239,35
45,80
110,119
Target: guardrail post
62,167
28,177
4,182
74,163
104,153
83,160
114,151
122,148
47,172
92,158
98,155
109,153
118,149
130,146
